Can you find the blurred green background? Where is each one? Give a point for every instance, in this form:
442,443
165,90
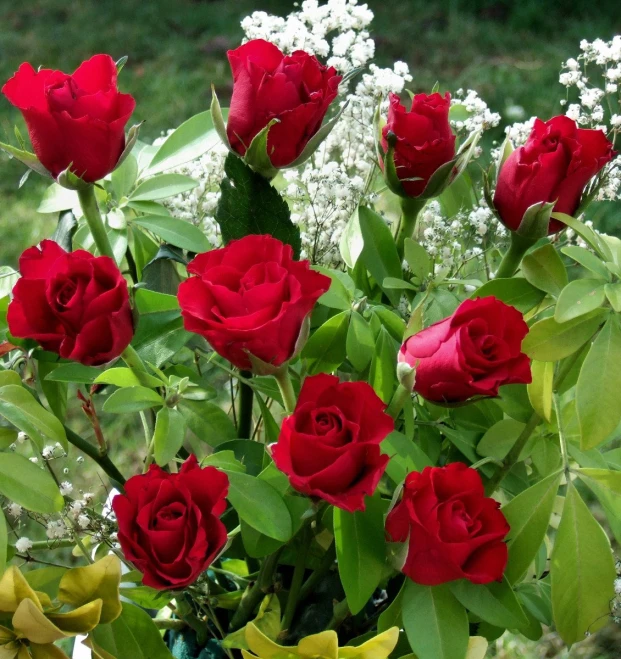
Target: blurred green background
510,52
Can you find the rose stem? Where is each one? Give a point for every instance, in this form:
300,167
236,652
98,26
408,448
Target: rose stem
398,401
93,452
296,582
341,611
286,388
252,598
88,202
513,256
410,208
244,428
321,570
514,453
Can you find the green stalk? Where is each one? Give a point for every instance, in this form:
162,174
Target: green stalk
244,429
93,452
286,388
132,359
298,578
88,202
398,401
514,255
410,208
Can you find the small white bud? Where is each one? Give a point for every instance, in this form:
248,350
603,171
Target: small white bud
23,544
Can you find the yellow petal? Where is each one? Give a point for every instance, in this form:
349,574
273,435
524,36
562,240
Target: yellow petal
477,647
31,623
23,652
97,581
46,652
324,645
375,648
13,589
267,621
264,647
10,649
78,621
97,652
44,599
6,635
245,655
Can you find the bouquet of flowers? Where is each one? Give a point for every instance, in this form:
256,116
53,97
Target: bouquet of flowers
311,376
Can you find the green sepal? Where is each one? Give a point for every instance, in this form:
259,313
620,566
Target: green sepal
29,159
218,119
536,221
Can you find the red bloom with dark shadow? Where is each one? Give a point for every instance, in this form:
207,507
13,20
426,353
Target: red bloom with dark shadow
169,525
294,89
329,447
72,303
73,119
453,531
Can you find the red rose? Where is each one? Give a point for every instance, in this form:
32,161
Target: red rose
295,89
425,140
452,529
329,447
250,297
471,353
169,525
77,119
72,303
555,164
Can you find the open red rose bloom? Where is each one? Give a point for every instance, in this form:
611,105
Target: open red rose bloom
76,119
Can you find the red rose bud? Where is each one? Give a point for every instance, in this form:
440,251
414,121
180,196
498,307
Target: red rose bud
453,531
329,447
296,90
250,297
75,120
471,353
422,139
169,525
72,303
555,165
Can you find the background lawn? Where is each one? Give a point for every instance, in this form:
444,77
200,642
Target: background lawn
510,52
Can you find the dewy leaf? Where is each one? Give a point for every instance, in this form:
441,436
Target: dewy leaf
549,341
360,550
100,580
528,515
30,486
582,572
544,269
599,384
436,624
250,205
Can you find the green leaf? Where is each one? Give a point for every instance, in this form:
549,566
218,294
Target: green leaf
46,579
132,399
162,187
579,297
544,269
74,373
599,383
613,293
499,439
588,260
55,392
383,374
125,377
606,485
582,572
132,634
540,389
4,542
417,258
360,551
495,603
29,159
340,295
528,515
257,155
210,423
124,177
56,199
259,505
549,341
168,436
351,242
217,118
379,254
585,232
175,231
250,205
30,486
20,408
359,344
406,456
436,624
191,140
326,348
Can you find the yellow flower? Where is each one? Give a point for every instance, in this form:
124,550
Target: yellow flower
319,646
37,622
